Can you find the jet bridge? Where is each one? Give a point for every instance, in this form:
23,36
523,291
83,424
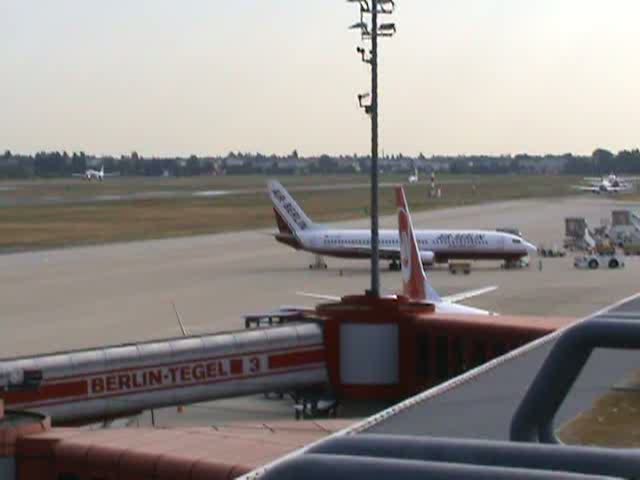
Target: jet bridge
498,421
360,348
94,384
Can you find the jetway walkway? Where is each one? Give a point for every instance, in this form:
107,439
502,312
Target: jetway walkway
484,400
498,421
94,384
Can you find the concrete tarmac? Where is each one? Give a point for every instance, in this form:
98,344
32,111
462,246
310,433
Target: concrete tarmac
90,296
82,297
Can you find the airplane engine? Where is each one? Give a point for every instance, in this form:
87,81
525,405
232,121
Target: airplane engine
427,258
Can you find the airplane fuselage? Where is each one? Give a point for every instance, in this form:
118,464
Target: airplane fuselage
93,175
611,184
444,244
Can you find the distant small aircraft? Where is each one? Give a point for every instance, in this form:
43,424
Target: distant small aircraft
609,184
91,174
414,178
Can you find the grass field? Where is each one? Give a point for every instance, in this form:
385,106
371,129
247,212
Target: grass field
612,421
27,227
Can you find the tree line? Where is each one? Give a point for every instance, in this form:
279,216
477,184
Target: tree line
62,164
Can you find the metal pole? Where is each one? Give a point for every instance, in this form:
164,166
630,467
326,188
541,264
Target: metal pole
375,253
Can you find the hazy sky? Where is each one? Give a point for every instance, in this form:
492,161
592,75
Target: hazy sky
205,77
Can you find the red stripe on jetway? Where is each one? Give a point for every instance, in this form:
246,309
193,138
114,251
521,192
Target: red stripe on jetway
57,390
236,366
168,364
284,360
55,401
78,389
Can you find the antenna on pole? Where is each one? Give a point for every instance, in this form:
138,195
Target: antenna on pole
371,30
179,318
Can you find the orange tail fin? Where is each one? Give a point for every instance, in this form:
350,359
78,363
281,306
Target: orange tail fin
414,280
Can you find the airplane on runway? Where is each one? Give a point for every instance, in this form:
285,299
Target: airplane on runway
91,174
609,184
436,246
414,178
415,284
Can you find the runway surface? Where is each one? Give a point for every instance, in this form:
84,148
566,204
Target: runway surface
90,296
10,195
120,189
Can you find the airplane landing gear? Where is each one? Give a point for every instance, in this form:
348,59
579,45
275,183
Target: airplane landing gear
318,263
515,264
308,405
394,266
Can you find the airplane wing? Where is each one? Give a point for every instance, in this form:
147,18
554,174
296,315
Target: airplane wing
273,234
112,174
77,174
582,188
319,296
458,297
455,298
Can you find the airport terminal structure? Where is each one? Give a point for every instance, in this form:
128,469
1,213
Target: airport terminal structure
155,329
453,382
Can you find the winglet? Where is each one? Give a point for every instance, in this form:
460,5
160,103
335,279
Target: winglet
414,280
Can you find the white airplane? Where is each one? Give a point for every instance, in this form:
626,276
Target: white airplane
609,184
436,246
91,174
415,284
414,178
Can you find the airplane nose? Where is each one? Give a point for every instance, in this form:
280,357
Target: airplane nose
531,248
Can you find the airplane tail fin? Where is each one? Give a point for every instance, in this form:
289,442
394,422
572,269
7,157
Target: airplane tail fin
282,225
290,218
415,284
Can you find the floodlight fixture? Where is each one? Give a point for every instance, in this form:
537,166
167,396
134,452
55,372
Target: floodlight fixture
363,53
366,106
362,26
386,6
387,29
361,97
364,5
